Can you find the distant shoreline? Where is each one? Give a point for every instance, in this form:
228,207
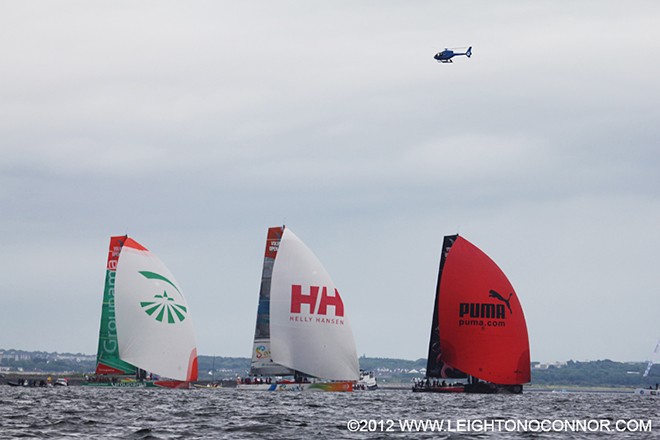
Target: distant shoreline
390,373
77,379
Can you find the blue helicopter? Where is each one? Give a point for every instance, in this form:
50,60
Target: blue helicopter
446,55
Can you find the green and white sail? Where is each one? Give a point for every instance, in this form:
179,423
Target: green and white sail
154,328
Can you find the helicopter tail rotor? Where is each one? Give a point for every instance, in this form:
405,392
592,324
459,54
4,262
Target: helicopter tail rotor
469,52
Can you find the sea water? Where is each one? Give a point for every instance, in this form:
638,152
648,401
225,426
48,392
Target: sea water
82,412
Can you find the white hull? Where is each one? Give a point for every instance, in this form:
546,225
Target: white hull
318,386
645,392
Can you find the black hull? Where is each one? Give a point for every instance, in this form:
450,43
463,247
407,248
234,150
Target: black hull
491,388
479,388
40,384
442,390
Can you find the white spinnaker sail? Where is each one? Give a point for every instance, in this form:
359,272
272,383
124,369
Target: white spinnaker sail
314,337
154,327
655,359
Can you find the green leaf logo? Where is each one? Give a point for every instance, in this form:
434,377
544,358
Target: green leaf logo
163,309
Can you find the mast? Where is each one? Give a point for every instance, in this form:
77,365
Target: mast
213,369
655,358
262,362
435,367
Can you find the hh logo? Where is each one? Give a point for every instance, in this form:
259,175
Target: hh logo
298,298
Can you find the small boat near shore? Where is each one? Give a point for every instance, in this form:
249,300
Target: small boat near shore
647,392
32,382
650,391
367,381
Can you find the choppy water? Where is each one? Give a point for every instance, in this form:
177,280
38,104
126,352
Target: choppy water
226,413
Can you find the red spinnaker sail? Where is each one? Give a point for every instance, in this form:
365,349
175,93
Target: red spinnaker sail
481,322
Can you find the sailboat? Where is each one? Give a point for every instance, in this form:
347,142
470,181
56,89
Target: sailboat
303,339
655,359
478,340
146,337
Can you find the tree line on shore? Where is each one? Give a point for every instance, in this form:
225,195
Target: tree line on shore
605,373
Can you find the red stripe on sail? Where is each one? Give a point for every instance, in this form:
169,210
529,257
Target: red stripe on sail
482,326
105,369
175,384
273,241
192,366
134,244
116,243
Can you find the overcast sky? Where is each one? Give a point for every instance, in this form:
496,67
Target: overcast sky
194,126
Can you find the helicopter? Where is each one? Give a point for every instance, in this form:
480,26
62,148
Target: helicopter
446,55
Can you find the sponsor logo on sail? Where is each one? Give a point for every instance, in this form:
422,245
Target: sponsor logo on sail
273,246
163,308
327,309
261,352
485,314
273,241
494,294
110,341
